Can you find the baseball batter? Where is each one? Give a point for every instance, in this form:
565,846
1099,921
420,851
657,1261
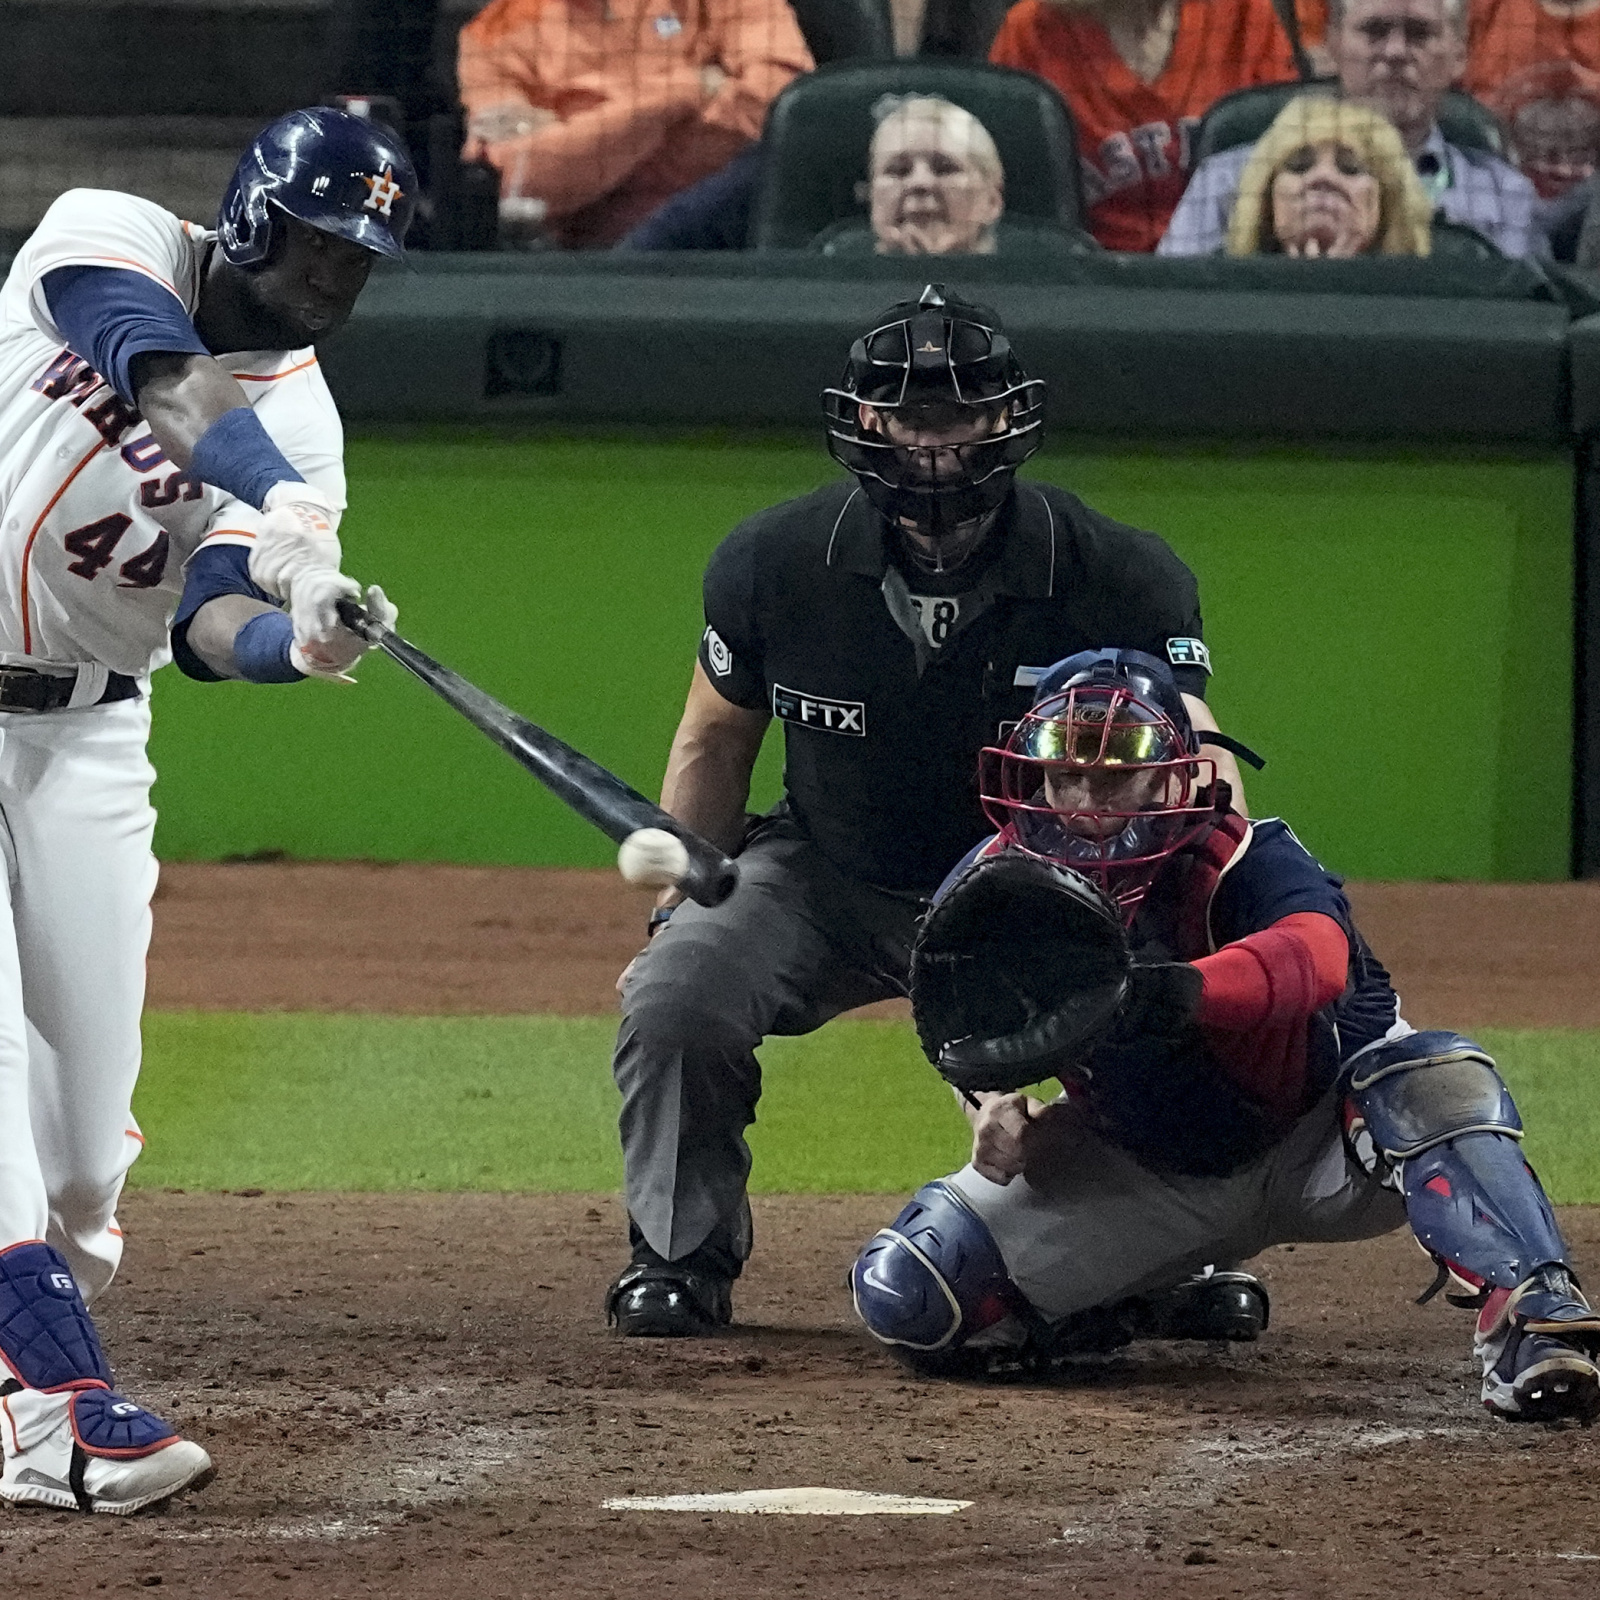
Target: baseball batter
1247,1081
171,483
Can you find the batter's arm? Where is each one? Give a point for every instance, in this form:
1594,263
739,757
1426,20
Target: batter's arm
181,395
1227,767
217,624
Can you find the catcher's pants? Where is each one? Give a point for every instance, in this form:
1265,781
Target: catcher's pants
76,876
1086,1225
795,944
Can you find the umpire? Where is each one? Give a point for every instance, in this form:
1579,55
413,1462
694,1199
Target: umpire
892,624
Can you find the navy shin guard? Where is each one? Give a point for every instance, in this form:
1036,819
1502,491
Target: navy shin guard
47,1340
1475,1204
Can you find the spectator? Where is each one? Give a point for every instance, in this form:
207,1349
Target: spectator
1329,179
1552,111
1504,37
1138,74
1399,57
935,184
597,115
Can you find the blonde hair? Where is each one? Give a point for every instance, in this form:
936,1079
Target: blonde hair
979,144
1405,213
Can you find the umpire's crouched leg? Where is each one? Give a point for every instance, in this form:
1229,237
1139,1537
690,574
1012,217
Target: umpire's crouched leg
794,945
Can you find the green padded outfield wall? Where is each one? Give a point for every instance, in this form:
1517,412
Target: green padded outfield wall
1394,633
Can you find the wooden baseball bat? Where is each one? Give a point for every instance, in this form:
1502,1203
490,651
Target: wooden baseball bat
597,795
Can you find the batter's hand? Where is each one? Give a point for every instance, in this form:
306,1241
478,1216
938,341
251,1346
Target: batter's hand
323,647
1001,1129
298,532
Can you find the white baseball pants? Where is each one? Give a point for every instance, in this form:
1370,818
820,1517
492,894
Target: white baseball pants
75,835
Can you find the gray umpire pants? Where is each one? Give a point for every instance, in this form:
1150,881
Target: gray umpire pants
1086,1225
795,944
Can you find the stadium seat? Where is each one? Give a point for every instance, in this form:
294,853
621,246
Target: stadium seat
845,30
963,29
819,128
1243,116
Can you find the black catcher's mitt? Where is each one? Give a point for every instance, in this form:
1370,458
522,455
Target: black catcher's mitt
1017,973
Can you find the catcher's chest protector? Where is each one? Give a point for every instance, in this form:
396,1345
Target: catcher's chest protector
1176,914
1166,1101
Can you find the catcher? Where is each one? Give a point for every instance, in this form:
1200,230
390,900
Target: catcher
1235,1069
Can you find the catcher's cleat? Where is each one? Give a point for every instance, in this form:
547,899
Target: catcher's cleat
670,1301
90,1450
1538,1345
1211,1305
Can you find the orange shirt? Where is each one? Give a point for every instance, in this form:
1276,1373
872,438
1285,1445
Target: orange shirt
1504,36
603,109
1134,137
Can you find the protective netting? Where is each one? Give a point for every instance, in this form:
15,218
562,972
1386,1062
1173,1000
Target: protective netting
1303,127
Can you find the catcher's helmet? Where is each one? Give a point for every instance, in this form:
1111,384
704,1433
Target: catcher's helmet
1103,774
926,365
334,171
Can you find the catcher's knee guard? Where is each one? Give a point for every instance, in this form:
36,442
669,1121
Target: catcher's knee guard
1437,1109
933,1278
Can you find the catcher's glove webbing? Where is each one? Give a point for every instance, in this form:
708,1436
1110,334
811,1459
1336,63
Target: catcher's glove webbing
1017,972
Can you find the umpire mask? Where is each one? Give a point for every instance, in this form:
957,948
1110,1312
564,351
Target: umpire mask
934,415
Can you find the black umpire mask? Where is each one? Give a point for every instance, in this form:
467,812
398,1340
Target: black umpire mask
934,415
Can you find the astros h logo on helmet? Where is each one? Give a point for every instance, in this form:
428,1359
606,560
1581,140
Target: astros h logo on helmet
382,191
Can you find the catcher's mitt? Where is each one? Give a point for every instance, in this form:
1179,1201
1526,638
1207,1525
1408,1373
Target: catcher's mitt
1017,972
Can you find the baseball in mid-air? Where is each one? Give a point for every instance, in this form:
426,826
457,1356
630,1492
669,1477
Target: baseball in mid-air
652,858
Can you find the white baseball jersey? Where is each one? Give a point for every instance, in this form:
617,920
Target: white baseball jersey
96,524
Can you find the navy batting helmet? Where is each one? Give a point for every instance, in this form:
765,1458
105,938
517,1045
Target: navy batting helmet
338,173
926,365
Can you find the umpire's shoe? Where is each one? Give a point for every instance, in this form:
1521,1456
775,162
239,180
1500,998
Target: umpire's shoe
1538,1344
669,1300
1210,1305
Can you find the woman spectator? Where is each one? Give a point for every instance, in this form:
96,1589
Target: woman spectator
1138,76
1330,179
935,185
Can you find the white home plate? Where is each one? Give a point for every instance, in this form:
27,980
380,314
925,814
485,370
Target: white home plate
794,1503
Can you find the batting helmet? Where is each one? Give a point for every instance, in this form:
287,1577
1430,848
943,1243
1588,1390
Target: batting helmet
337,172
1103,774
937,365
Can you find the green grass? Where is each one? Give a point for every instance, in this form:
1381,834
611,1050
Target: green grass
349,1102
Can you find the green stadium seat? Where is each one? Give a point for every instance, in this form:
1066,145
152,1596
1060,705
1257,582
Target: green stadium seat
845,30
1041,242
819,128
1243,116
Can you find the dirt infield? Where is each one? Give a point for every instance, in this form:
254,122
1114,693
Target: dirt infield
352,937
412,1397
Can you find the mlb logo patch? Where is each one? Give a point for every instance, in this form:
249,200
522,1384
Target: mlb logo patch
1189,653
718,655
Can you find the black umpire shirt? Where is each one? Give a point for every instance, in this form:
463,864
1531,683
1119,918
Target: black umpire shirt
887,693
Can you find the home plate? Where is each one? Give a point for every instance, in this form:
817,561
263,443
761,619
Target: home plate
794,1503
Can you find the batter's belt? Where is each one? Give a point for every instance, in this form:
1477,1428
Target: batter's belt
25,689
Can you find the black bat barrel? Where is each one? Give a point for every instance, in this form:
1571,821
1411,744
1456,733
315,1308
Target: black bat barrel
598,796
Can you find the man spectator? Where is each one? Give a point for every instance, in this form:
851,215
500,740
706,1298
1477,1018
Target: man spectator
595,114
1398,57
1138,75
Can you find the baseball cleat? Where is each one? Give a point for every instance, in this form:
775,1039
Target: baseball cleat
668,1302
1210,1305
1537,1343
133,1459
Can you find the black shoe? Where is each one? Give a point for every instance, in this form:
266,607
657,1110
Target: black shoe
669,1301
1214,1305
